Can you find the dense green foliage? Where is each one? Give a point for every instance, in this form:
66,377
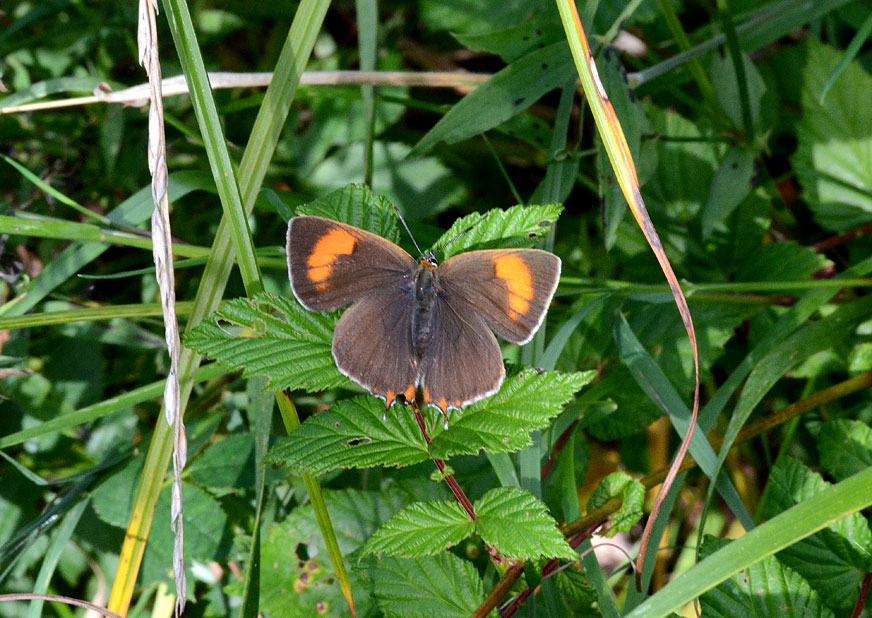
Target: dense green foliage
754,154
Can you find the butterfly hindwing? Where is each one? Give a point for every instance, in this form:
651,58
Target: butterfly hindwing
463,362
332,264
372,344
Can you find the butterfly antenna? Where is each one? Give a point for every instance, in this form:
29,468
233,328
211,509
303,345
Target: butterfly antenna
408,231
456,238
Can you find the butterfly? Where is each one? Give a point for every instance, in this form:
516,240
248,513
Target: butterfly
417,329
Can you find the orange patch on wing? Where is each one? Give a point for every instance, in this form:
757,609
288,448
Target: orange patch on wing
409,393
443,404
514,271
331,245
389,398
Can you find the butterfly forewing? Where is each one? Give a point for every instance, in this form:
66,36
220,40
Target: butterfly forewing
509,288
332,264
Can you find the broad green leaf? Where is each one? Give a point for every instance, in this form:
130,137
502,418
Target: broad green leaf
112,499
518,226
780,261
506,94
294,586
356,205
503,422
517,524
632,494
273,336
685,167
731,184
580,596
834,560
226,464
207,533
354,433
419,186
766,589
845,447
834,141
512,42
421,529
442,586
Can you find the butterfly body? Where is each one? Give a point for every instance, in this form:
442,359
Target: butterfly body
417,328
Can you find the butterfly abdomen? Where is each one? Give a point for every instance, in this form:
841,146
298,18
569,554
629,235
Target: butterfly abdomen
423,315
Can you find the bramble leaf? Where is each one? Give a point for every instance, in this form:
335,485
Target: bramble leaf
518,226
442,586
502,423
354,433
421,529
357,205
273,336
632,493
517,524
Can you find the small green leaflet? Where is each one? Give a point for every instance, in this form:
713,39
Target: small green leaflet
767,589
357,205
442,586
354,433
273,336
502,423
421,529
845,447
517,524
632,494
518,226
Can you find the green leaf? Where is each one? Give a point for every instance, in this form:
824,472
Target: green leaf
502,423
226,464
834,560
834,142
517,524
443,586
421,529
780,261
354,433
273,336
845,447
112,499
580,596
766,589
506,94
518,226
356,205
514,41
731,184
632,493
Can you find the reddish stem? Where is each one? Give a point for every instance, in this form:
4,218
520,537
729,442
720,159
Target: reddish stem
558,446
864,594
452,484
